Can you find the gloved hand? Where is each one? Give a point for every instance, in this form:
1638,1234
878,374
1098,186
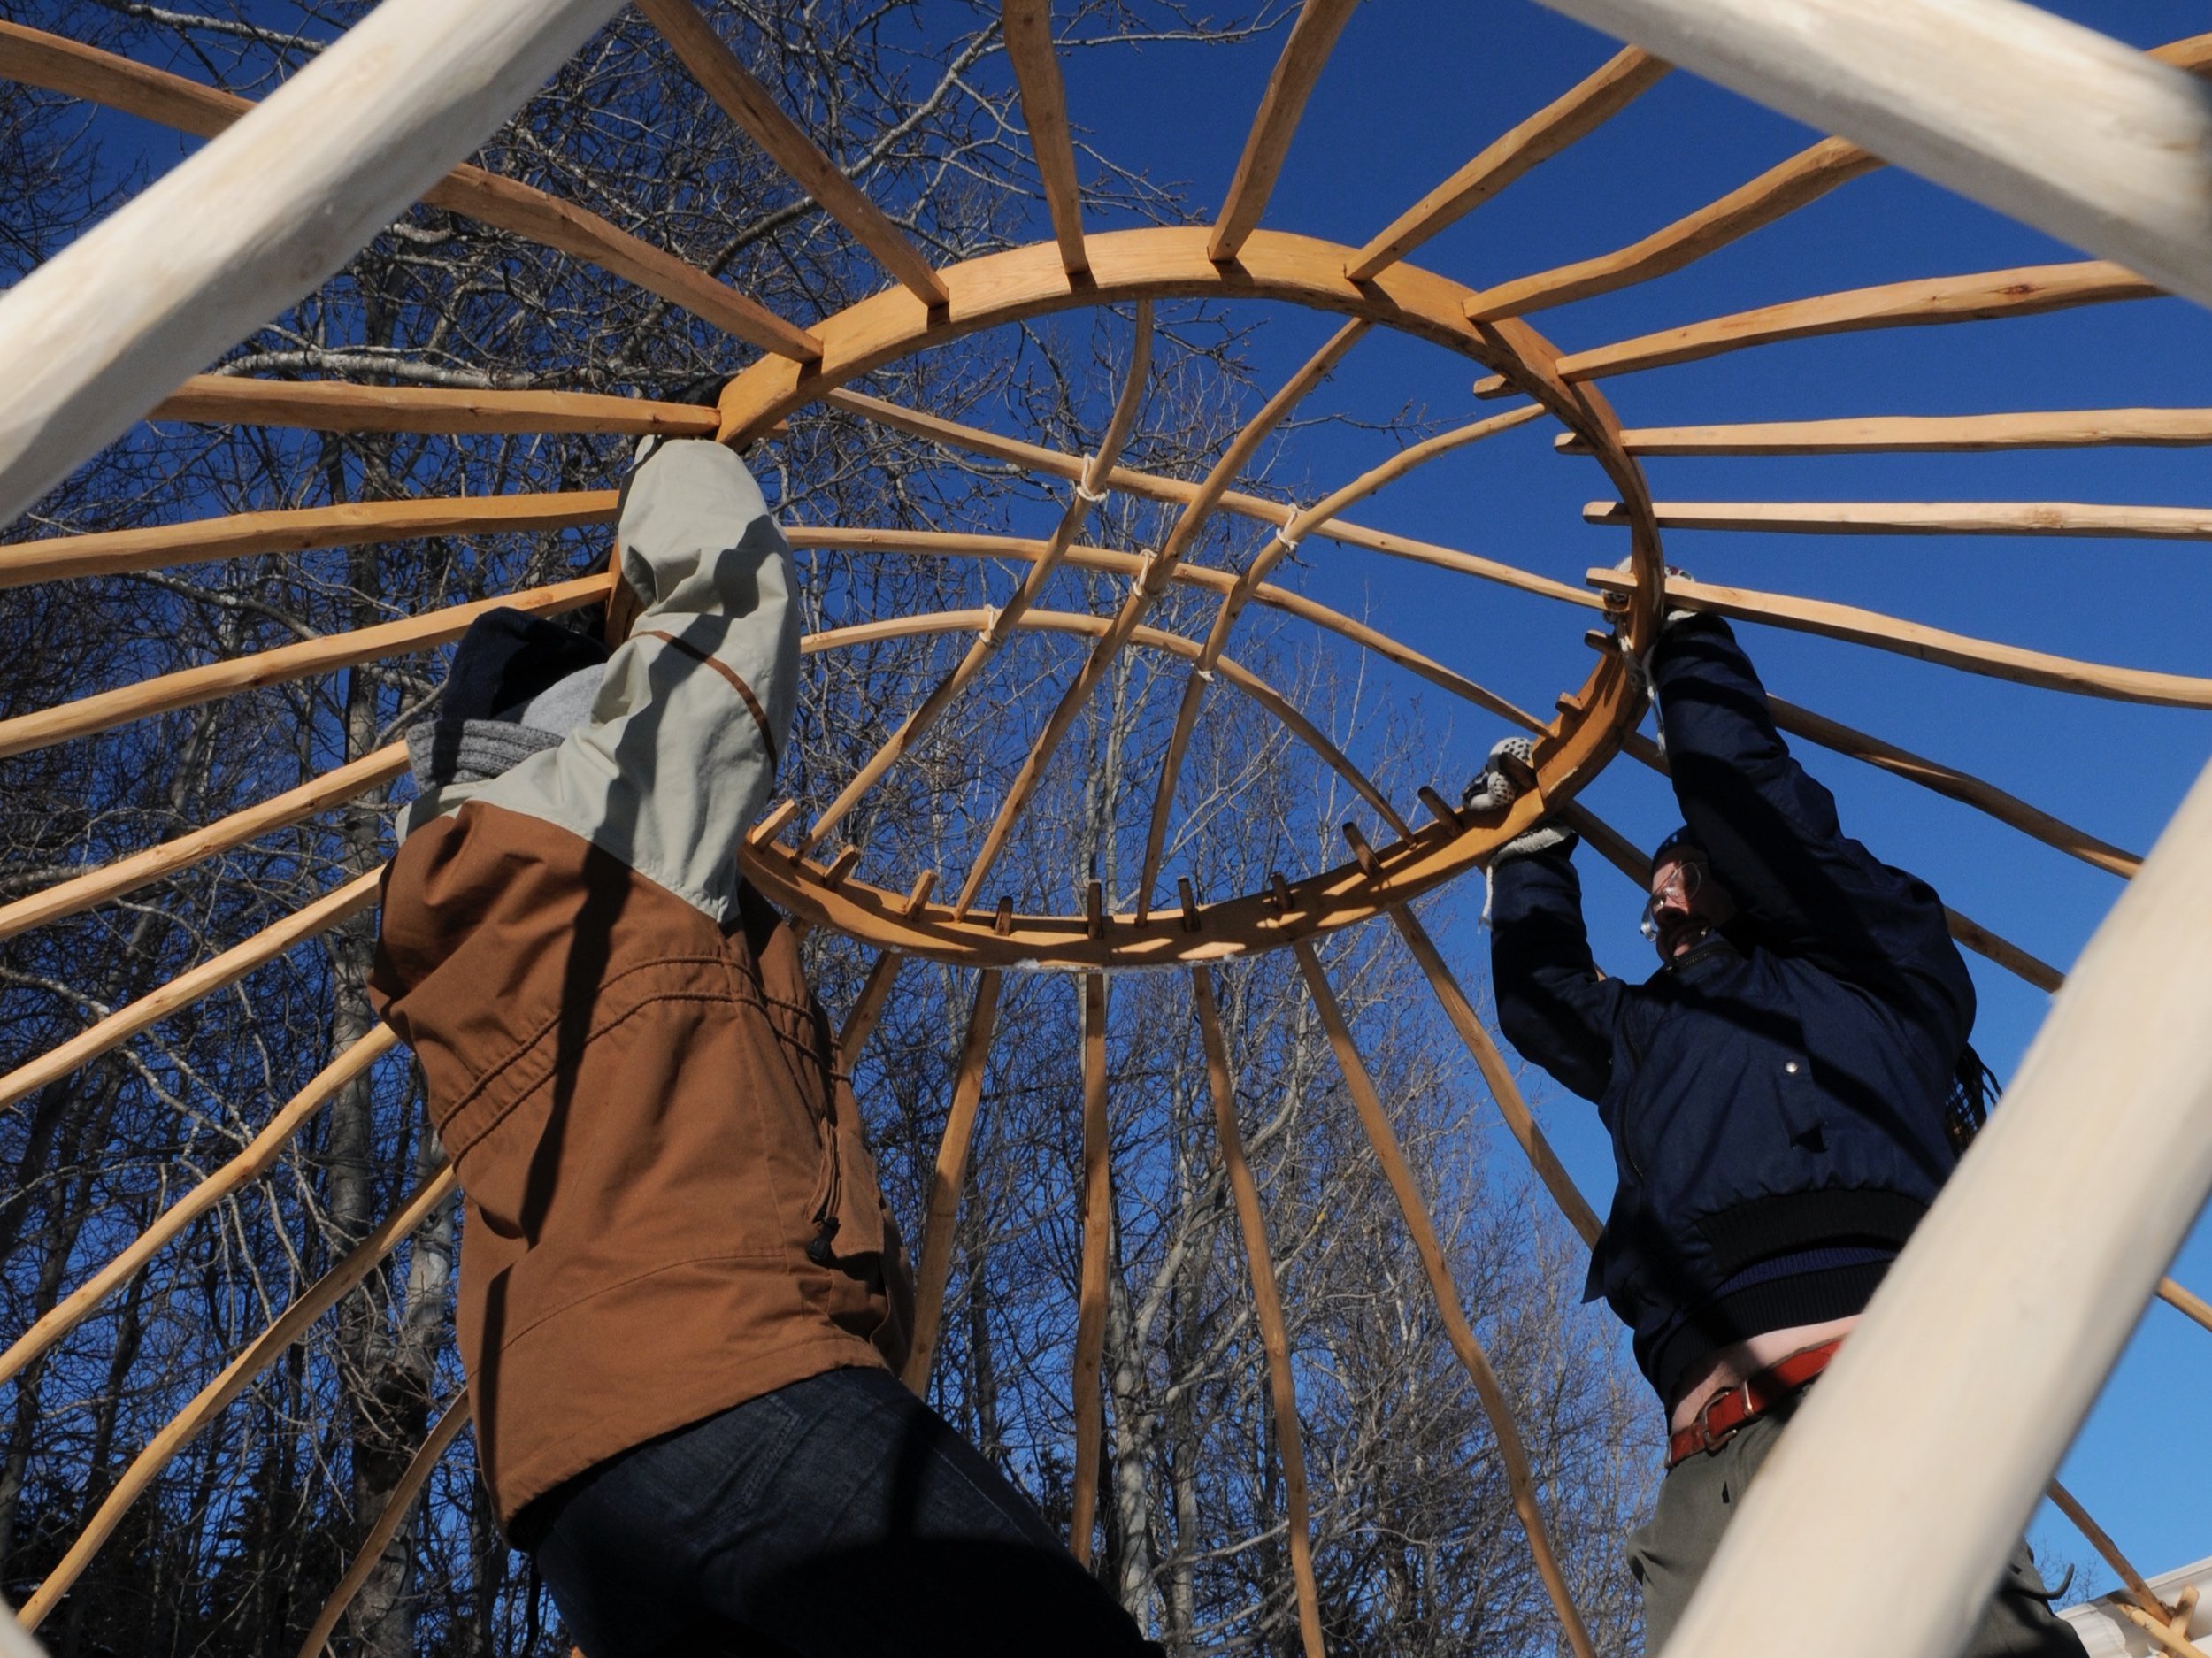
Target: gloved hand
1499,784
1675,573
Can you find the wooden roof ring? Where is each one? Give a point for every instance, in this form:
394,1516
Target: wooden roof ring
1126,266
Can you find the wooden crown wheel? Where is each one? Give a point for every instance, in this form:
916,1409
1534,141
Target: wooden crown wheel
337,162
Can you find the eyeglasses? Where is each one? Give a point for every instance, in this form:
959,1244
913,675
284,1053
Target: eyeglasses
1683,884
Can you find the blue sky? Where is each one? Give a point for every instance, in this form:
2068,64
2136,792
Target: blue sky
1411,91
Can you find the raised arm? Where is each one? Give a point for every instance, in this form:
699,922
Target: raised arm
1554,1005
681,748
1773,838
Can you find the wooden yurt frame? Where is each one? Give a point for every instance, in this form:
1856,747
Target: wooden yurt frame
2107,148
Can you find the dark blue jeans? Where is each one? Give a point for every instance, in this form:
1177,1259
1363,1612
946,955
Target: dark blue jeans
838,1516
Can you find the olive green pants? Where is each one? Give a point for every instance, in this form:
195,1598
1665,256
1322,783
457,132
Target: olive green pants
1699,1496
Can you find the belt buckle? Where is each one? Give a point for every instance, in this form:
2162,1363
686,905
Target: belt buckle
1708,1441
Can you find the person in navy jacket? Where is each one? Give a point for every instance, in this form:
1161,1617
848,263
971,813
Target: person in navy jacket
1782,1094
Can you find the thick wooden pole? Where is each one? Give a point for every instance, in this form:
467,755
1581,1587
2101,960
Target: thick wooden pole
1045,107
254,221
1097,1223
1267,1308
946,1181
1268,144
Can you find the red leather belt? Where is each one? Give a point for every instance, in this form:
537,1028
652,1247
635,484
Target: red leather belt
1752,1397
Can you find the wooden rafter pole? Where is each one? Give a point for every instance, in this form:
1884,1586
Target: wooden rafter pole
2026,291
1097,1227
1924,518
1267,1308
396,1508
1520,1477
1158,572
190,687
2100,1539
954,434
310,921
2063,128
1089,487
1923,434
248,1165
1954,784
929,543
942,1212
296,530
1635,864
333,405
875,994
1045,107
205,1405
1268,144
2189,1305
1153,639
61,65
1279,547
1520,1120
730,84
1574,114
1931,644
1780,190
263,214
125,875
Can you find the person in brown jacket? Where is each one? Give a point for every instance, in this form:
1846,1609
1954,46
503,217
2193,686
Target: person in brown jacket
682,1299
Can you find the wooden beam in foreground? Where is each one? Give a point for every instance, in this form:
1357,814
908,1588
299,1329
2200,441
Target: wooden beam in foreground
354,524
1780,190
1922,435
38,59
1574,114
1267,1309
730,84
330,405
1296,72
1921,518
1929,644
2026,291
1045,107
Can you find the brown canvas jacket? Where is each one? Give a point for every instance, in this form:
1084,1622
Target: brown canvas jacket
669,1205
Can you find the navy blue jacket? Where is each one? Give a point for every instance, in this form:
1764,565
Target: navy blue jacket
1776,1096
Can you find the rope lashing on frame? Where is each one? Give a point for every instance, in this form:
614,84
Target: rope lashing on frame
1094,496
